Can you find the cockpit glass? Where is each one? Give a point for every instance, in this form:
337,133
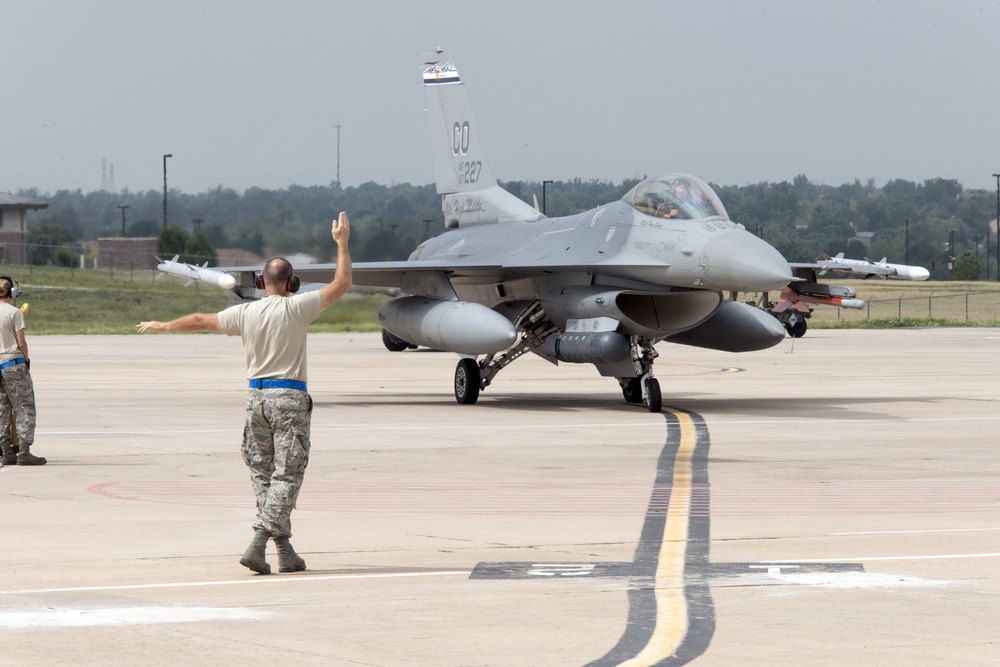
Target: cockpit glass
679,196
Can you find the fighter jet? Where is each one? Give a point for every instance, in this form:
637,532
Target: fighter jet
602,287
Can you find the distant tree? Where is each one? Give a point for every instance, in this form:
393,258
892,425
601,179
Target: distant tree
200,250
51,244
967,267
142,229
173,241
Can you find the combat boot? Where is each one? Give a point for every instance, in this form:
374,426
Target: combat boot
26,458
253,557
9,458
288,560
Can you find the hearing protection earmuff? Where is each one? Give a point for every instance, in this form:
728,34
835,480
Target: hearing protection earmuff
291,286
15,287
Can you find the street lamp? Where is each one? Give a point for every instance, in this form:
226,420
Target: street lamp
997,176
907,242
544,183
165,190
123,207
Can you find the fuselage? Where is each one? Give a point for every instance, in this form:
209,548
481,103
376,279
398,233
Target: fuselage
623,242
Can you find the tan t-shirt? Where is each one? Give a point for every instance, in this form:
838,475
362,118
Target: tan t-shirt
274,334
11,321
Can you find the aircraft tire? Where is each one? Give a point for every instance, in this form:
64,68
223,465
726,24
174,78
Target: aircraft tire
654,400
797,330
467,381
392,343
632,391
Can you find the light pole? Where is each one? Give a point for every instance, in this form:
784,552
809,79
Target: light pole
338,154
544,183
907,242
997,176
165,190
123,207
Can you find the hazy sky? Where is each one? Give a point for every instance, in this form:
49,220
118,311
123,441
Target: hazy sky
248,93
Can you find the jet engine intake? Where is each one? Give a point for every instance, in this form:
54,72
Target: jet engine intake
455,326
649,314
606,347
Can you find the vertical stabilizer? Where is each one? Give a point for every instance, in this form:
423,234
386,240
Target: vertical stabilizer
461,168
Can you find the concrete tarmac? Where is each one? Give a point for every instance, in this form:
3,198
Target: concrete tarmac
833,500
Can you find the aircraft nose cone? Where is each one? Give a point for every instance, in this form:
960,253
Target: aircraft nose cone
740,261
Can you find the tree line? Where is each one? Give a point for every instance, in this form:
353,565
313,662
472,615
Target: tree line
904,221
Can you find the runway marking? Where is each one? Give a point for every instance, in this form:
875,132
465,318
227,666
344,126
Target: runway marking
252,581
668,585
81,618
919,532
368,427
340,427
874,558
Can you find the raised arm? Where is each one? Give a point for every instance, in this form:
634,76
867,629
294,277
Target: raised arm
329,294
187,323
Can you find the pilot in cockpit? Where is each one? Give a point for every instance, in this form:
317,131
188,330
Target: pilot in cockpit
679,204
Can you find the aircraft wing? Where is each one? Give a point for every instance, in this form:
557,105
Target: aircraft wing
401,274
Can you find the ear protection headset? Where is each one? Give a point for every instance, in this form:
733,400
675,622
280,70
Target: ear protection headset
291,286
15,287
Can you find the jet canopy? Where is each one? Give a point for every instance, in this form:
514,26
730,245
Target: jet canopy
675,195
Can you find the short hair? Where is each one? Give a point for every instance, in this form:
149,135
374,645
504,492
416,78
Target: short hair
277,271
6,283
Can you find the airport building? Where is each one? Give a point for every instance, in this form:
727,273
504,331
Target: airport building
13,226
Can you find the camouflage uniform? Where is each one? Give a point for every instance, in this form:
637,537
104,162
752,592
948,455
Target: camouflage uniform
18,393
276,449
276,435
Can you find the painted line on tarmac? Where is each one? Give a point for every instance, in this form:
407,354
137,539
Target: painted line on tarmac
885,420
918,532
671,617
543,427
878,558
85,618
257,579
373,427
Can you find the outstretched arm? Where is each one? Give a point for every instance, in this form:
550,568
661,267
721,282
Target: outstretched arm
329,294
187,323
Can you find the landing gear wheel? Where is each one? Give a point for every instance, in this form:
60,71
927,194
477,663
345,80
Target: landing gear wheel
797,329
632,390
467,381
392,343
654,401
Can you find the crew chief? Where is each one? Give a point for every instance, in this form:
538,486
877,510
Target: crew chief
278,406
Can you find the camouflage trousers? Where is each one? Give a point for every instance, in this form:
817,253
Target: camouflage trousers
17,392
276,449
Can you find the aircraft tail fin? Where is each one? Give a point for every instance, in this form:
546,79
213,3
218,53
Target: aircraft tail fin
461,168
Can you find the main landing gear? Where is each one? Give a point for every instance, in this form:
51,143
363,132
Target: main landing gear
471,376
467,380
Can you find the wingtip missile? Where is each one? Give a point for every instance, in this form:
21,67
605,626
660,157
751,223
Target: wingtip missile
196,274
883,268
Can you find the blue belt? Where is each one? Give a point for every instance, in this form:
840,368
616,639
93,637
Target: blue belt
12,362
274,384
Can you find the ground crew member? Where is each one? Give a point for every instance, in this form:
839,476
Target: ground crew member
17,392
278,407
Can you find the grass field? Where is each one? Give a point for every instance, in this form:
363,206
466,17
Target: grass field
894,303
79,301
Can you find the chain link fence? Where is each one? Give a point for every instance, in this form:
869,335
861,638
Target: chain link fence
958,306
